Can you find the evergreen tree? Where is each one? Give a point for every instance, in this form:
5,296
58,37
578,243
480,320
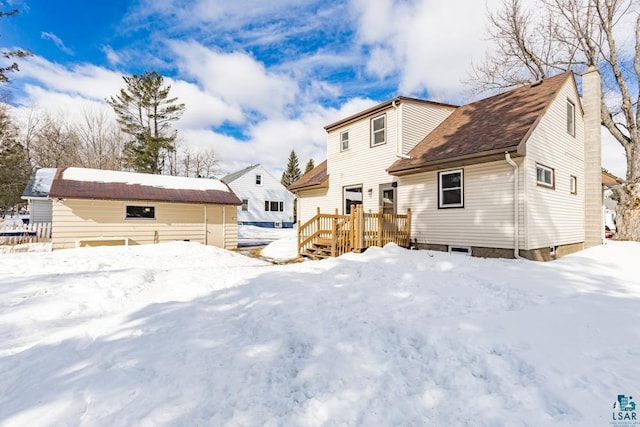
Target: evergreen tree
145,113
14,163
309,166
292,172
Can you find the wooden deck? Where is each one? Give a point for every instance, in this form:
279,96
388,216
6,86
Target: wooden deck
331,235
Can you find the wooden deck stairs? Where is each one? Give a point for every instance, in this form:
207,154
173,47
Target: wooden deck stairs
331,235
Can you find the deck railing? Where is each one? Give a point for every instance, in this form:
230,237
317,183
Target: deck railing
355,231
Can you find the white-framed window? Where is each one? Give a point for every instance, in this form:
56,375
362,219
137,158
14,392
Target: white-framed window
451,189
545,176
140,212
344,140
352,197
258,179
245,205
571,118
378,130
573,184
271,206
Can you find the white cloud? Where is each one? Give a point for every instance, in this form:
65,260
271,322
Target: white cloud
112,56
236,77
57,41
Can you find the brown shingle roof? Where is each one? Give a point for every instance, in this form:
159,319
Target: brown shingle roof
489,126
316,177
77,189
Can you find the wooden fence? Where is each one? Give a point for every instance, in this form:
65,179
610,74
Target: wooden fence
354,232
14,234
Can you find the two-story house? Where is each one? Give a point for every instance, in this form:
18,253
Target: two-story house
516,174
265,201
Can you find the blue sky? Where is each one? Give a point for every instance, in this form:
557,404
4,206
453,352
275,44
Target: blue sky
258,78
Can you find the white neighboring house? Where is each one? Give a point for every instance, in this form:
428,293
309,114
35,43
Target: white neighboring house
265,201
36,194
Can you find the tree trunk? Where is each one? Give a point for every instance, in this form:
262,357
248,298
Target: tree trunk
627,212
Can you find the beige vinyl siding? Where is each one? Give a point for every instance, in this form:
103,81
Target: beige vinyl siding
486,220
308,202
75,219
418,120
555,216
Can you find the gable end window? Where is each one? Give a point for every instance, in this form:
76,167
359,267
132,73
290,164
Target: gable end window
451,189
258,179
545,176
140,212
571,118
573,184
245,205
378,130
344,141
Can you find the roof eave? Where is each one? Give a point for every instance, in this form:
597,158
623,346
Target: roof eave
482,157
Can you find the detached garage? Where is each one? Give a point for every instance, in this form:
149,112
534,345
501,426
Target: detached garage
97,207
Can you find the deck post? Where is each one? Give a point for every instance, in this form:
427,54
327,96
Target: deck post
408,227
380,217
334,235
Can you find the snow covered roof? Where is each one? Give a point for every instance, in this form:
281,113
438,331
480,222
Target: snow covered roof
39,184
81,183
235,175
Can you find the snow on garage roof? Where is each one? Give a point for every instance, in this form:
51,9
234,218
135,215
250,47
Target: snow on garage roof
84,183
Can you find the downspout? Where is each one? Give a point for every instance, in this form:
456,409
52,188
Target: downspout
516,207
399,145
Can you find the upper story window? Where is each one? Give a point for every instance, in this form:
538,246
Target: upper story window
245,205
571,118
140,212
378,130
344,141
545,176
451,189
258,179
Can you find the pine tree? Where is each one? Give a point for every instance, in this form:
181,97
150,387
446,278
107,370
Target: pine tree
310,165
14,164
292,172
145,112
10,54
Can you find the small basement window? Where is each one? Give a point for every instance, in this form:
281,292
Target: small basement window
140,212
464,250
545,176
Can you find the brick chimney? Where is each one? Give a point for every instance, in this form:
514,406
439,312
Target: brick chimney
591,93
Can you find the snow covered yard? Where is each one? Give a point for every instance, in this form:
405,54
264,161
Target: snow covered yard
183,334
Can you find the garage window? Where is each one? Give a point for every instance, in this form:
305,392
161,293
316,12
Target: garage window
140,212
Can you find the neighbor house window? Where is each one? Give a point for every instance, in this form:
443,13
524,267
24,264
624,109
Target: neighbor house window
573,184
270,206
258,179
450,189
140,212
352,198
378,135
245,205
545,176
571,118
344,141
